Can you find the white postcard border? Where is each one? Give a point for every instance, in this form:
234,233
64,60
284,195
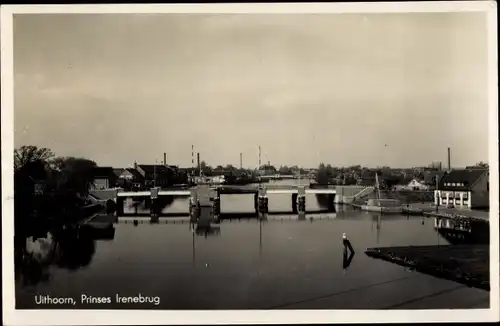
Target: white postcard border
128,317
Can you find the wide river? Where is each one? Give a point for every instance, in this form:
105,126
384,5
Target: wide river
279,263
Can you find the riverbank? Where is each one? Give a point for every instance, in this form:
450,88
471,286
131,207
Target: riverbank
429,210
465,264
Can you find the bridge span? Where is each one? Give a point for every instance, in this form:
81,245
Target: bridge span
156,200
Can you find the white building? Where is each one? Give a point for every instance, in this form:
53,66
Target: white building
464,189
417,185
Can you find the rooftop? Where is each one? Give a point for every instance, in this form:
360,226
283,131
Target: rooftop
102,171
158,168
463,179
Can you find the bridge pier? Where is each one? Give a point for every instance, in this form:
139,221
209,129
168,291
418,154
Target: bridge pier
194,207
120,201
301,200
256,203
154,219
136,207
331,202
263,202
216,209
154,210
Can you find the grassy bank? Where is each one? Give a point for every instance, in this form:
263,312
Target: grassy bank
466,264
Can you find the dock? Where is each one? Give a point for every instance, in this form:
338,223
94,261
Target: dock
465,264
99,226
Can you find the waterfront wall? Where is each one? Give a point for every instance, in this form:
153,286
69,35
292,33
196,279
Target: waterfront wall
406,196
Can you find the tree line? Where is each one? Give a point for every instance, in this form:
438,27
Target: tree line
46,185
49,193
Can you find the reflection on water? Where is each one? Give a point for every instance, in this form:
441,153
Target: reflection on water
347,257
71,249
213,230
238,264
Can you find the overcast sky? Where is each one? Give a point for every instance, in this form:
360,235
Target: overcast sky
308,88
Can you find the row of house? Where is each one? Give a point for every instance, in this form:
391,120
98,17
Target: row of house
461,188
465,188
140,176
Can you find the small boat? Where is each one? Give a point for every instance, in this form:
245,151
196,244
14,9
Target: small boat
386,206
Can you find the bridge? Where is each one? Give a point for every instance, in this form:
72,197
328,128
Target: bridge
206,197
223,190
155,199
149,193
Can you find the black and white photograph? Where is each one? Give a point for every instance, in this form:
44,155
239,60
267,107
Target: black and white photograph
250,163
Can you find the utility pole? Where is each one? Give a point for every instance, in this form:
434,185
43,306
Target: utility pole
199,164
192,162
449,159
259,159
299,175
154,174
438,195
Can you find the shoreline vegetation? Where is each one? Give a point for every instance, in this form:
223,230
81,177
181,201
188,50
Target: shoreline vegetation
467,264
50,202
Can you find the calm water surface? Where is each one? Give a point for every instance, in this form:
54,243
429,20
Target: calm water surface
280,263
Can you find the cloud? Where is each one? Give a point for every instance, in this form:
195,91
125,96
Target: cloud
121,87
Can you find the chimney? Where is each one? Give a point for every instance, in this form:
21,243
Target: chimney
449,159
198,159
241,160
164,158
135,165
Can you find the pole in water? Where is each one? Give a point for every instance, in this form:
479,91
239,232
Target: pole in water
347,243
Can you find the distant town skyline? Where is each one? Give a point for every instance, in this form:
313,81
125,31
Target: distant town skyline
342,89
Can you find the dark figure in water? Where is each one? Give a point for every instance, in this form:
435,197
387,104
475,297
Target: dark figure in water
348,253
347,243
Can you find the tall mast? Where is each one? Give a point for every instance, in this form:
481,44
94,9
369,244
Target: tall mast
377,187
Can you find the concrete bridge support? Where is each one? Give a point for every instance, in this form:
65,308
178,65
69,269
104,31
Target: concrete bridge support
331,202
294,203
263,201
216,209
301,200
205,218
256,203
194,207
155,208
120,201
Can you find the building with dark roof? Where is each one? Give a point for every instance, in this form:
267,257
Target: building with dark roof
104,177
157,175
431,176
467,188
130,178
